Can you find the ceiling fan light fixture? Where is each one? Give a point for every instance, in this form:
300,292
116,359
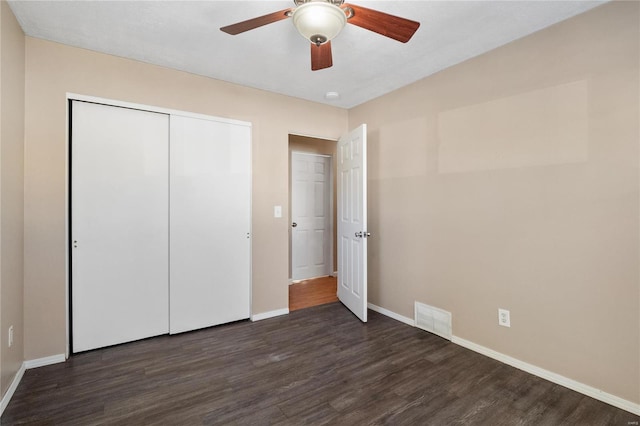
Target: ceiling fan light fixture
319,21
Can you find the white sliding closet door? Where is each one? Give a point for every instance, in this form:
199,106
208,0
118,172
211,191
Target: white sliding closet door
119,225
210,195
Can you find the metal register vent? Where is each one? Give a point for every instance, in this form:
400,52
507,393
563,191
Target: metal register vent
433,320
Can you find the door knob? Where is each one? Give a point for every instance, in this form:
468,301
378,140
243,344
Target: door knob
363,234
293,225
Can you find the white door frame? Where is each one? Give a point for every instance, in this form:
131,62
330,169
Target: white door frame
330,242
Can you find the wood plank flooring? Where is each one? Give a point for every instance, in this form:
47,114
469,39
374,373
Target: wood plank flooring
314,366
313,292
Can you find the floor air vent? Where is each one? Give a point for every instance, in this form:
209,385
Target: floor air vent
433,320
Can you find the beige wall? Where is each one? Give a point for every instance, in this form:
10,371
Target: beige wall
51,71
12,43
317,146
511,181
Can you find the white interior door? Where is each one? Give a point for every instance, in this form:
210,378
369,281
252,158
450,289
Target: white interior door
210,208
352,221
311,233
119,225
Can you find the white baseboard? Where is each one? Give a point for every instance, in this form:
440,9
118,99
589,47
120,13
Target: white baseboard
270,314
391,314
551,376
335,274
12,388
41,362
27,365
587,390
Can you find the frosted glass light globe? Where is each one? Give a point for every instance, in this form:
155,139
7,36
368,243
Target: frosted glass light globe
319,21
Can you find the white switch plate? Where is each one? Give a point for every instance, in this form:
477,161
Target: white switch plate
10,336
277,211
504,318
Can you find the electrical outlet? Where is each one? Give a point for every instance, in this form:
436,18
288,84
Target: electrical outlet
10,336
504,318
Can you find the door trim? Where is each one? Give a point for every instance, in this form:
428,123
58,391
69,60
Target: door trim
151,108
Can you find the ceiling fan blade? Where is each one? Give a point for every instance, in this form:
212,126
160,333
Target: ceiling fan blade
251,24
391,26
321,56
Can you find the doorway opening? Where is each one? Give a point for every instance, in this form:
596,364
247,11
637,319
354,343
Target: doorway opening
312,220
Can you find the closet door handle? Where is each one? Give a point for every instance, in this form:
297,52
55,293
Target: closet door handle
293,225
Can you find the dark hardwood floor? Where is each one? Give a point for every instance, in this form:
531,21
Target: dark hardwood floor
315,366
313,292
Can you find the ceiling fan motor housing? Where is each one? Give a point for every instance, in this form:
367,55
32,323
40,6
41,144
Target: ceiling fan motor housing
335,2
318,20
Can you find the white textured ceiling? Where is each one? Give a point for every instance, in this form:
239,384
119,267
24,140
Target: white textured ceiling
185,35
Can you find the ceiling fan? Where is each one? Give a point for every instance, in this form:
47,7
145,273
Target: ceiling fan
319,21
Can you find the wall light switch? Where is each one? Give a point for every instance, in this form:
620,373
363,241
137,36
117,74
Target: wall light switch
277,211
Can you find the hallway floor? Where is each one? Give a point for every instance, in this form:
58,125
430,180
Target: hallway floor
313,292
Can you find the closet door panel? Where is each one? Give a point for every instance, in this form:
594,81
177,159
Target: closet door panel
119,225
210,267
